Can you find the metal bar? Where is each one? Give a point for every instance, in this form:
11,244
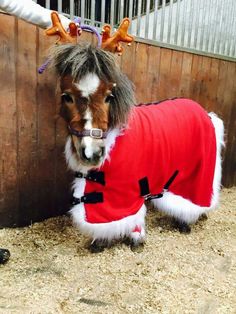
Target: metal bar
72,9
196,26
82,12
147,18
210,23
177,22
47,4
103,12
139,18
169,21
59,5
154,34
190,23
162,19
184,23
112,14
218,35
227,38
92,12
121,13
203,19
233,38
131,13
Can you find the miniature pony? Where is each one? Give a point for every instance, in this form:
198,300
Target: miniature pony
122,155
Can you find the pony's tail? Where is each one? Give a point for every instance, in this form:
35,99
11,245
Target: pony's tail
219,132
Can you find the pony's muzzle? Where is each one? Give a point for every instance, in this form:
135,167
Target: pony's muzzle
92,156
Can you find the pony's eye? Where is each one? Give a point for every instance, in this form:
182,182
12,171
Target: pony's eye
109,98
66,98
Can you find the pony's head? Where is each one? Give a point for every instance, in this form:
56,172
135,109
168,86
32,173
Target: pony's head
96,97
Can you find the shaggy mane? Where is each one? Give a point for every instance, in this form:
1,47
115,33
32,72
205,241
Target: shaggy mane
78,60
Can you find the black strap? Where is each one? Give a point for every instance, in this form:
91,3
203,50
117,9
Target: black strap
145,191
95,176
168,183
89,198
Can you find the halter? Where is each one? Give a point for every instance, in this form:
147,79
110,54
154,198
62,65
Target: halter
94,133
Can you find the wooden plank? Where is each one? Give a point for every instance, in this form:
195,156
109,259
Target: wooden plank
212,85
140,72
127,61
222,89
195,85
175,73
164,76
27,123
153,70
186,75
204,79
229,115
46,92
8,124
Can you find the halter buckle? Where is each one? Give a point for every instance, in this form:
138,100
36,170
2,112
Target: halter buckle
96,133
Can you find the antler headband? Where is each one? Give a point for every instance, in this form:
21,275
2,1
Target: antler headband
109,42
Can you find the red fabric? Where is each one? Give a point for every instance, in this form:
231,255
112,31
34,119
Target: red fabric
160,139
137,229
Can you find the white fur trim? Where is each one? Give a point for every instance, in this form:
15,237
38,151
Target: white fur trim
138,237
88,84
110,230
184,209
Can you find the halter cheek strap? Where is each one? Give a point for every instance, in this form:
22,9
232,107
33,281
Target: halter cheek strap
94,133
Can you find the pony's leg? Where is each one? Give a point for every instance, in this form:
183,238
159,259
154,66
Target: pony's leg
182,226
137,237
98,246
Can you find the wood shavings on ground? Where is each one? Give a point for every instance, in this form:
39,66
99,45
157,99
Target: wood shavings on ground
51,270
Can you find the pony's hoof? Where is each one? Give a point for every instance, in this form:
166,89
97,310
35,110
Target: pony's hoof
182,226
4,256
203,217
97,247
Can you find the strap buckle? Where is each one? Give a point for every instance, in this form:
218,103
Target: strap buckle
96,133
145,191
88,198
92,175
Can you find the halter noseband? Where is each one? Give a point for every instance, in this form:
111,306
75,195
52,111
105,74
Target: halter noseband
94,133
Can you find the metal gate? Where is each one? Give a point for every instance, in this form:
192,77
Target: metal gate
207,26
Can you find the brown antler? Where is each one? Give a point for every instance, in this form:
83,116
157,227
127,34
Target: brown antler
58,29
112,43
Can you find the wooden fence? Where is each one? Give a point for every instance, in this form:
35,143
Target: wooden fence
34,182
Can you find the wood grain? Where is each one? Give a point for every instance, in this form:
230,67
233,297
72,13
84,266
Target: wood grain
9,196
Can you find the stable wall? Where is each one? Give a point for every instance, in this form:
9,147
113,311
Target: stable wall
34,182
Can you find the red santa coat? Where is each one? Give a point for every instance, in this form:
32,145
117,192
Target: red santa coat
160,139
